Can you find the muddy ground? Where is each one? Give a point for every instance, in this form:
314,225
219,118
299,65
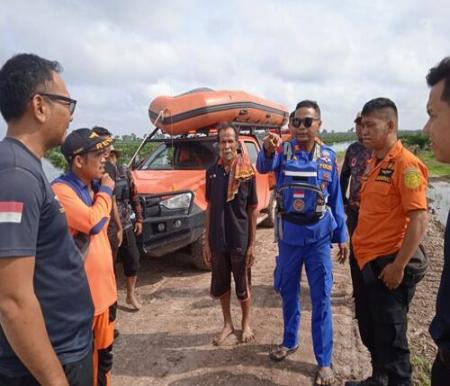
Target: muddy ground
168,342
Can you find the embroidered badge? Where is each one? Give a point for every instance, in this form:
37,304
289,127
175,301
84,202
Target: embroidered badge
325,155
325,166
385,175
412,178
298,205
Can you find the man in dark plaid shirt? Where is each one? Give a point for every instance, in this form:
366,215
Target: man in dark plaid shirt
353,168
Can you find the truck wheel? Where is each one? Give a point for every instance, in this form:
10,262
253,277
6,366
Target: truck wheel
198,253
269,222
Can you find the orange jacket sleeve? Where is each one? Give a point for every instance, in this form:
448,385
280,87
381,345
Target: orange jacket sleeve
81,217
412,185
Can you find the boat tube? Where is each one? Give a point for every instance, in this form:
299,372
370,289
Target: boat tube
205,108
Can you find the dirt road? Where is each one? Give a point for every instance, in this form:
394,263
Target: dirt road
168,342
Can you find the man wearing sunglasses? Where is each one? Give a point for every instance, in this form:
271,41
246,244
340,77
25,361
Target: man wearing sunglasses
46,308
310,217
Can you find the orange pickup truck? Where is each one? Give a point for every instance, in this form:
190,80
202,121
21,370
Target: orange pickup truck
171,180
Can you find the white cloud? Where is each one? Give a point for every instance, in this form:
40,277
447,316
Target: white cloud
119,55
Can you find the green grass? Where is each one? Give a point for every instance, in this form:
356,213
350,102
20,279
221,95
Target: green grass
422,371
435,168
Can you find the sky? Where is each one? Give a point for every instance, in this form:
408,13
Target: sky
119,55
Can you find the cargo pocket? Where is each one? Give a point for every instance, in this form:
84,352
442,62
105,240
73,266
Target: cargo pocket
277,276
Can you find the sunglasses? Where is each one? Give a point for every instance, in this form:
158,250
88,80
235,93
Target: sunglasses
307,122
71,103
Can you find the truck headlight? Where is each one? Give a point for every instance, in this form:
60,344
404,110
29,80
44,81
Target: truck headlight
179,201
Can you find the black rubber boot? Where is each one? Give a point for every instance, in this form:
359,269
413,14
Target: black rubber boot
378,378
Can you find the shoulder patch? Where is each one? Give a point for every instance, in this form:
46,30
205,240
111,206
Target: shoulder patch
412,178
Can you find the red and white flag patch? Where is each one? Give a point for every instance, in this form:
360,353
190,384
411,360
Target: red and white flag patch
11,212
299,194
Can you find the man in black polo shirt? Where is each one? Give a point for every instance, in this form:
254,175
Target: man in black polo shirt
231,228
438,128
46,309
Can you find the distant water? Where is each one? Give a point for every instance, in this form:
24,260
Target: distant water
439,195
341,146
50,171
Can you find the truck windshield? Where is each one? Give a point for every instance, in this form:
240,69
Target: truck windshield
187,155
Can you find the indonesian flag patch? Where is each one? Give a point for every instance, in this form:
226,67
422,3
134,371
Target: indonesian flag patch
11,212
299,194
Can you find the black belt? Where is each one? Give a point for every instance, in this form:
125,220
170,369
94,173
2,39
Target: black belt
299,219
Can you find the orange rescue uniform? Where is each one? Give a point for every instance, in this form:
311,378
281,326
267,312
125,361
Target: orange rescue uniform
93,220
390,189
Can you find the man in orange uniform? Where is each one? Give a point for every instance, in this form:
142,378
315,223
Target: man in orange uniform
85,193
392,222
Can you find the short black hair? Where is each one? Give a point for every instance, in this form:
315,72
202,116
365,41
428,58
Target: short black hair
308,103
101,131
378,104
227,125
20,77
438,73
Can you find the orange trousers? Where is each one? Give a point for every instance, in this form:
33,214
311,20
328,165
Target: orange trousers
103,331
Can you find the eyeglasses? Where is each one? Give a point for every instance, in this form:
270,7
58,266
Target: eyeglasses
71,103
307,122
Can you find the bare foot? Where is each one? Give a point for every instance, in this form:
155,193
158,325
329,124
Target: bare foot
247,334
325,376
222,335
132,300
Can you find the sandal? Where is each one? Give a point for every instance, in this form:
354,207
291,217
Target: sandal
281,352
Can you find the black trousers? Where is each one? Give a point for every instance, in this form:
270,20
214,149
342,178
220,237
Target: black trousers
352,222
78,374
382,321
440,373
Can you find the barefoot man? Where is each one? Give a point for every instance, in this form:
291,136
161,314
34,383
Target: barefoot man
230,228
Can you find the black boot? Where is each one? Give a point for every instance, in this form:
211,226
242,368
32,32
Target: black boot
378,378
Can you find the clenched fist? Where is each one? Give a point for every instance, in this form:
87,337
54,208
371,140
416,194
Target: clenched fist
271,142
107,181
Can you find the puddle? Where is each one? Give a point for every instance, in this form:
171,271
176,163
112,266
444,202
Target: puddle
439,196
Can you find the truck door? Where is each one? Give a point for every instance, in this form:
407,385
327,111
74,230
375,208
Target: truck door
262,180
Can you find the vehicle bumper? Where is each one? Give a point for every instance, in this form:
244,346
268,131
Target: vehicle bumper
168,233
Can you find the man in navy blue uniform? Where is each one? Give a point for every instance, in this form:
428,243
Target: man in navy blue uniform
438,128
310,216
46,308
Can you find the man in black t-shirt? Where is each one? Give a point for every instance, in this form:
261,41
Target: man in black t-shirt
438,128
46,309
231,228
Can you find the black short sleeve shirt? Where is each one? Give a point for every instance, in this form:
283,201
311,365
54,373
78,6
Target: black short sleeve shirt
440,326
33,223
111,169
229,222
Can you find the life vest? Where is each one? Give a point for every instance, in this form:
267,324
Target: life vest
302,192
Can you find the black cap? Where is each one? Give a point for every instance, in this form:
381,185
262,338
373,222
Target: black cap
82,141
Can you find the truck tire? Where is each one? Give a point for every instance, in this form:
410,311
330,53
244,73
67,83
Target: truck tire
198,253
269,222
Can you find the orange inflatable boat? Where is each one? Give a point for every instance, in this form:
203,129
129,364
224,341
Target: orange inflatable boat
204,108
